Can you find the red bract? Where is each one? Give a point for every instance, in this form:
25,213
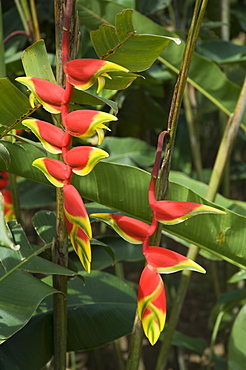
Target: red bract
165,261
130,229
49,94
53,138
4,179
80,243
83,73
56,171
8,205
85,123
151,304
75,210
173,212
82,159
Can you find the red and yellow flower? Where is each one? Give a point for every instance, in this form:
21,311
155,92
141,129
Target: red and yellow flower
170,212
55,171
53,138
83,73
48,94
82,159
151,304
86,123
132,230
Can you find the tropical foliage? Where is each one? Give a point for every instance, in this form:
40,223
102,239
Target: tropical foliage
87,91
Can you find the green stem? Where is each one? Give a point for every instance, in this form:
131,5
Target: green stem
225,19
58,10
226,144
22,16
35,20
198,14
60,257
135,345
194,142
214,336
178,95
60,250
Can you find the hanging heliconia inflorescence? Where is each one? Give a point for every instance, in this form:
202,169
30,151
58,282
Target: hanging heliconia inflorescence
80,160
151,291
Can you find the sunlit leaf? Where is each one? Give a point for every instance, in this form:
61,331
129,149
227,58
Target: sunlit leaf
119,179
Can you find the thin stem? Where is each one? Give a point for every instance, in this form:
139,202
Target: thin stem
58,10
194,141
135,345
66,29
225,19
226,144
198,87
198,14
13,34
35,20
22,16
28,18
60,249
178,95
214,336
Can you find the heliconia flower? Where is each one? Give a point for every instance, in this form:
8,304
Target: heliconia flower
82,159
130,229
85,123
49,94
151,304
165,261
75,210
8,205
56,171
83,73
173,212
4,179
53,138
80,243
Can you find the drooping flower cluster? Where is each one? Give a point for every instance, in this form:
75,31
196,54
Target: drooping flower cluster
82,74
151,291
7,197
80,160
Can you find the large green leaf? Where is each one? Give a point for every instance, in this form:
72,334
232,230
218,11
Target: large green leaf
237,351
36,62
129,151
14,106
204,75
121,44
17,303
99,312
125,188
21,293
